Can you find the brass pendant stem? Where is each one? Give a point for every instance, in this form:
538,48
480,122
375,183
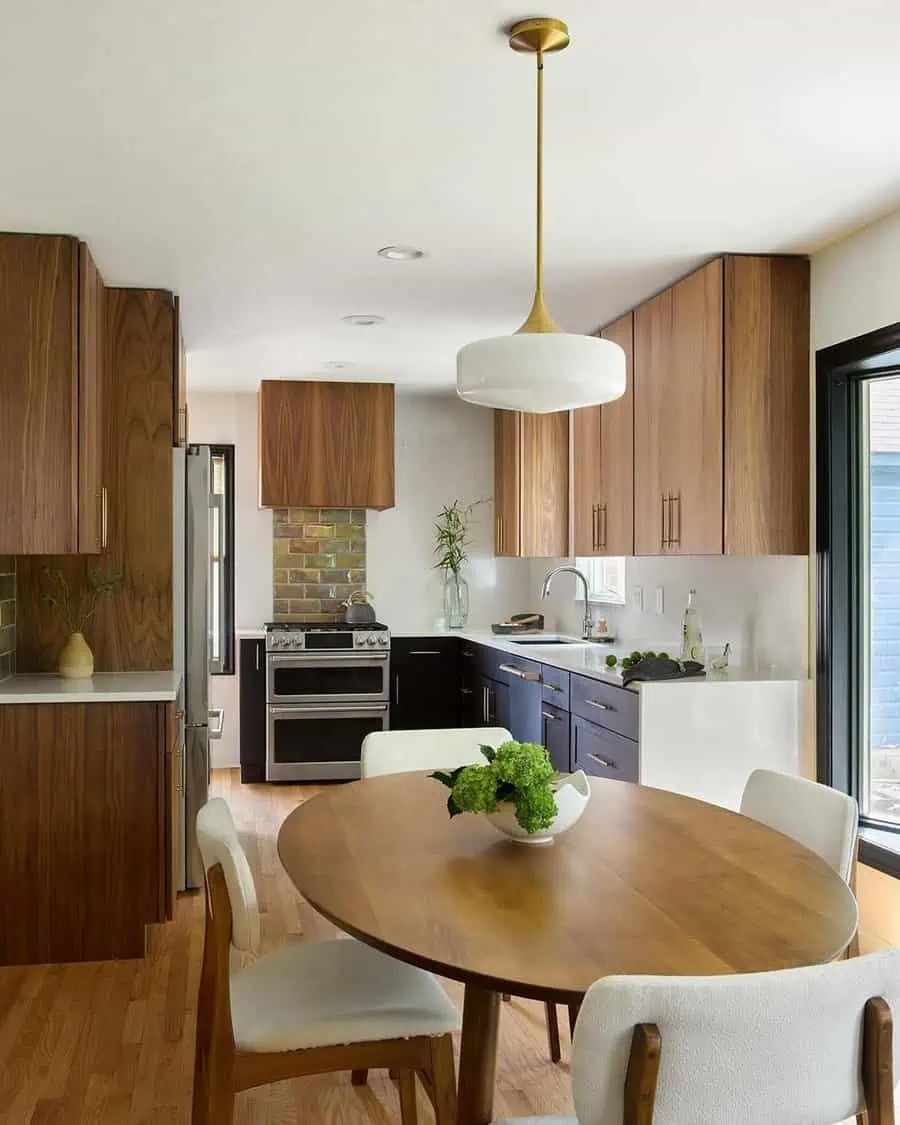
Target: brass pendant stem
539,319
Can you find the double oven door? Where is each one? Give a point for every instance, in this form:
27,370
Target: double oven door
321,705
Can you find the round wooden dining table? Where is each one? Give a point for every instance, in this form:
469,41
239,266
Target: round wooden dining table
646,882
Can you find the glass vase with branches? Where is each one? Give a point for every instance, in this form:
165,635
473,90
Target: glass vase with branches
451,538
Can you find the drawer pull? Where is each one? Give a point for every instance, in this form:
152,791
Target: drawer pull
599,706
549,715
531,677
603,762
552,687
465,691
424,652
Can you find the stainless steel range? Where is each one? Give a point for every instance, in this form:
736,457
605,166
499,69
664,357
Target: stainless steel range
327,687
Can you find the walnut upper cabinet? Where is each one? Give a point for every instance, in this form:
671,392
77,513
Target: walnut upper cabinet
678,418
603,463
531,484
51,347
721,411
326,445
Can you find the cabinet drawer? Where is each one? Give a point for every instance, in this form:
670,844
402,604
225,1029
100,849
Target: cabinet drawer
514,670
424,646
603,753
556,686
613,707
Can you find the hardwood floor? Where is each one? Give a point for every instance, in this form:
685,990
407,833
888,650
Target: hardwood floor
112,1043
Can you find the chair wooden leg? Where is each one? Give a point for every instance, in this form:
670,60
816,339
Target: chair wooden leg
442,1074
359,1077
552,1031
406,1086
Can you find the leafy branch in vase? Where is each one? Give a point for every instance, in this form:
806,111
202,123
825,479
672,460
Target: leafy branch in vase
74,611
451,535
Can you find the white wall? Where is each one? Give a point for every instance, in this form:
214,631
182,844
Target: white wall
444,451
856,284
758,604
232,419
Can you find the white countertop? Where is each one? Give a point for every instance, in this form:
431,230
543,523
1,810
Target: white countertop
590,660
104,687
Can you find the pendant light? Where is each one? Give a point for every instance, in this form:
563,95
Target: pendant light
540,369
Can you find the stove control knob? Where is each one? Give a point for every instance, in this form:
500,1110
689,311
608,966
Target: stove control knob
370,640
382,640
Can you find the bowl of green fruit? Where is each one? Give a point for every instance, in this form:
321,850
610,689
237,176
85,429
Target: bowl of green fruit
622,664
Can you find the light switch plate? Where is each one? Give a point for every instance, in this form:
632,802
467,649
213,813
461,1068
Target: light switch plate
660,602
636,597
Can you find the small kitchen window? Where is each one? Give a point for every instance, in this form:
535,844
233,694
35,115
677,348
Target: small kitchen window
221,560
606,580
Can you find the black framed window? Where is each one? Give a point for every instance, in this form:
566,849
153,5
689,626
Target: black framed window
221,575
858,582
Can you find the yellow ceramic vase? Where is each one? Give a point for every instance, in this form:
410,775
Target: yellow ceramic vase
76,661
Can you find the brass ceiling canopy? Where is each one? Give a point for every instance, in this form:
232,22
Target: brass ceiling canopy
539,36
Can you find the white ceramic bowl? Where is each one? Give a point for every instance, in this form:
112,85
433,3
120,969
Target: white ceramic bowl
573,791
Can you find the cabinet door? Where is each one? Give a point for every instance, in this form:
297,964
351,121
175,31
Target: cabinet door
253,709
346,434
678,382
179,382
507,483
766,405
39,379
603,458
499,707
555,736
425,684
93,514
545,486
603,753
524,715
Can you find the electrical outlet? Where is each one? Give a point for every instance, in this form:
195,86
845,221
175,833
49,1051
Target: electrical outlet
660,600
636,598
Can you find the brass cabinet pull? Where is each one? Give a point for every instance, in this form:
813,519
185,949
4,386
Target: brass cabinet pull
603,762
676,526
104,518
663,538
593,527
499,535
601,511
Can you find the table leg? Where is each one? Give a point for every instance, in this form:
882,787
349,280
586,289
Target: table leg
478,1056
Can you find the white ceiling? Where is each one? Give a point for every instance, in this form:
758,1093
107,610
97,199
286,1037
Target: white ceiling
254,155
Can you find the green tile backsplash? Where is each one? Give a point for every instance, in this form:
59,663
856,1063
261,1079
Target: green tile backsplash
319,557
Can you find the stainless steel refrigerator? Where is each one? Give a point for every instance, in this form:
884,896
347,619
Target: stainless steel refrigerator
192,507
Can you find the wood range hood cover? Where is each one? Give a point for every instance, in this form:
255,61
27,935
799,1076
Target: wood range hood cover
326,444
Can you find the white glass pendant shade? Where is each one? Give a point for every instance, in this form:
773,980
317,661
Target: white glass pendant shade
540,372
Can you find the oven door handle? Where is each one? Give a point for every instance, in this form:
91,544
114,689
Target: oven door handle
335,710
284,659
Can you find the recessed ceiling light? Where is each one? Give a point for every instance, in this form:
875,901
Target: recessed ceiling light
338,364
402,253
363,320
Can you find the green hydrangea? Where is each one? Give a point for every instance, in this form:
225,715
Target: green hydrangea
475,790
518,772
522,764
535,807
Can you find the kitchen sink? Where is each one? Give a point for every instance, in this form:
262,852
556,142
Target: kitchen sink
543,641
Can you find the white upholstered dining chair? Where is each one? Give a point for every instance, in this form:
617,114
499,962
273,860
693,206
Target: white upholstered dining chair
312,1007
402,751
810,1046
816,816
